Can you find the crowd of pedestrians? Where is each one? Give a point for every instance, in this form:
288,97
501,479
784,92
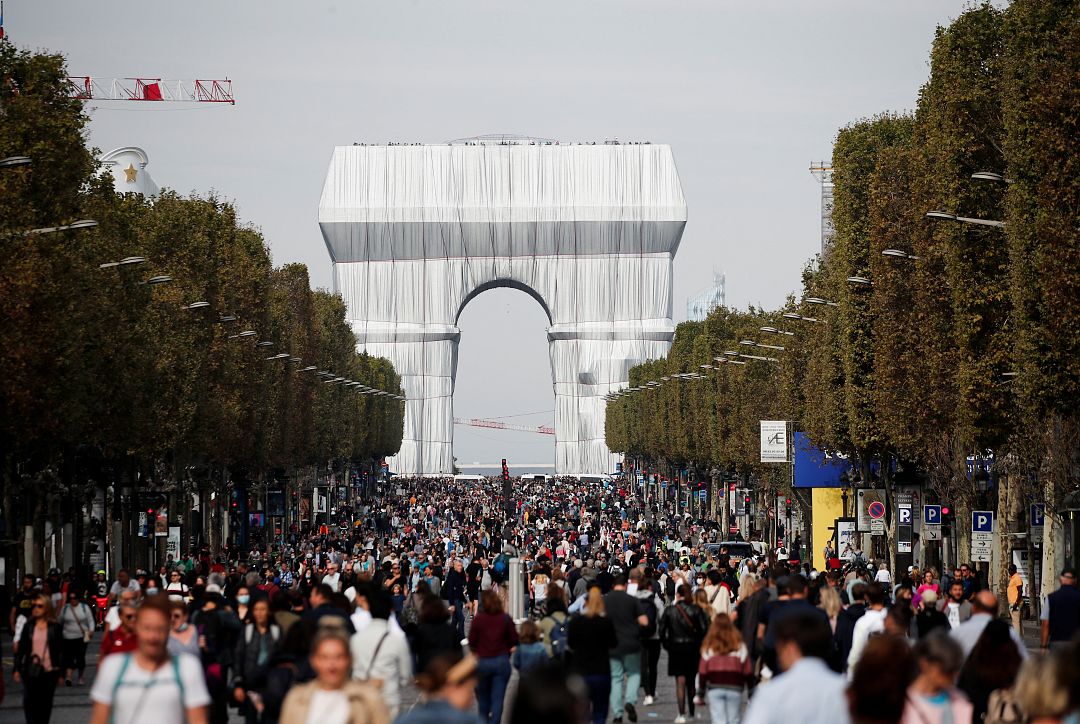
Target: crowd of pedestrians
404,614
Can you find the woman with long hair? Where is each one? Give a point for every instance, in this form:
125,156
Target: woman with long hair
682,629
992,665
256,645
333,696
933,696
183,637
492,638
38,660
724,670
590,636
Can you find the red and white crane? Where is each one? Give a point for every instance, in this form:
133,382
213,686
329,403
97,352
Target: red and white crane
496,425
91,88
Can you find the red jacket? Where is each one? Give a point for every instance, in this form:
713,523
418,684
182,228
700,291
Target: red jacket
117,641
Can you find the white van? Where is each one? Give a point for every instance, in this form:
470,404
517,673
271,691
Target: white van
534,478
469,478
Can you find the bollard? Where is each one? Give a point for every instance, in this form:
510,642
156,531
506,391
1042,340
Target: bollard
515,578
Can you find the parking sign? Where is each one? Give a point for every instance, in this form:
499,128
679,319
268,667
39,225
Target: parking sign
982,521
1038,515
932,514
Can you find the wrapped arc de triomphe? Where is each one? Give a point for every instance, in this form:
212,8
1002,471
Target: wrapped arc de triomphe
588,230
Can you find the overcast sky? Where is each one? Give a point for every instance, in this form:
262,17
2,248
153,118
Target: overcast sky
747,93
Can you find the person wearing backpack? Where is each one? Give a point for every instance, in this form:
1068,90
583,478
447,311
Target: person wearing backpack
554,626
147,683
258,643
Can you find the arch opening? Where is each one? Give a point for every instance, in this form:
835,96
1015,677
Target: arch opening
500,284
504,374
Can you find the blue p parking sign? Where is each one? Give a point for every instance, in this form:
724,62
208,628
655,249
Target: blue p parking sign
982,521
932,514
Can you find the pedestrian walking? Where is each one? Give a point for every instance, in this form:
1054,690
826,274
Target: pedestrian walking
806,691
724,670
591,637
1060,618
448,684
148,684
38,660
627,615
682,629
333,697
492,637
77,621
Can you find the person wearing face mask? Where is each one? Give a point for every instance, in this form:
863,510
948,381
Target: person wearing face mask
183,637
152,586
243,602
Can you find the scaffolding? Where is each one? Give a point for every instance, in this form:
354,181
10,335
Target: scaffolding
822,171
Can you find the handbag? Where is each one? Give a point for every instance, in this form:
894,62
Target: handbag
34,667
86,635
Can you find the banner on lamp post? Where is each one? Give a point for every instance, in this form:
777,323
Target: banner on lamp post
774,447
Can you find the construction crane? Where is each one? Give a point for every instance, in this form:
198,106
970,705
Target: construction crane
89,88
496,425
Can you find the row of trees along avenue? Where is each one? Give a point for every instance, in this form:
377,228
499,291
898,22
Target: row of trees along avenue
110,382
963,340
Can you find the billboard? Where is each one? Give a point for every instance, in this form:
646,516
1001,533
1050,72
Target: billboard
774,441
816,468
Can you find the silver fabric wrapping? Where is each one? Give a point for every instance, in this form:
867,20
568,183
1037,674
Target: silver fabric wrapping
590,231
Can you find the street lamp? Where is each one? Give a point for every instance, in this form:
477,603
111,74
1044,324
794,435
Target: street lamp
309,368
125,262
197,305
946,216
159,279
861,281
819,300
793,315
227,318
898,254
12,161
282,355
774,330
752,343
264,343
245,333
990,176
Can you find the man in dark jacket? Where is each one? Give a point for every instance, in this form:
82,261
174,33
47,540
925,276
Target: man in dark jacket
1061,614
627,615
845,627
453,591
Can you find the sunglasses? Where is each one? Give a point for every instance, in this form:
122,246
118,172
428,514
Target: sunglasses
38,607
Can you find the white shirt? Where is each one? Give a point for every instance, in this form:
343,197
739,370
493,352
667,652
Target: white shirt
158,690
870,622
392,665
328,707
883,576
807,693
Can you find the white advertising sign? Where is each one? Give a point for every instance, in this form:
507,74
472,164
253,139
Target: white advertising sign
774,448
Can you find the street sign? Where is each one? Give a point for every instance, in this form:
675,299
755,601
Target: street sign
932,532
1036,535
904,514
876,510
932,514
877,526
982,521
1038,515
981,557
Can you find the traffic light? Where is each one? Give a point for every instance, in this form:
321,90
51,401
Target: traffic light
948,518
505,470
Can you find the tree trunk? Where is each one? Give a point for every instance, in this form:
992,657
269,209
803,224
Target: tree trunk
38,553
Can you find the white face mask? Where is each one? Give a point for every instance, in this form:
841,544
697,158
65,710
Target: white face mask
631,588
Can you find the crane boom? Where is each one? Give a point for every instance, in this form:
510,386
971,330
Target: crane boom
89,88
496,425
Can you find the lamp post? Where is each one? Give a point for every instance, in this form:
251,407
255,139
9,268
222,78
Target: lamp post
946,216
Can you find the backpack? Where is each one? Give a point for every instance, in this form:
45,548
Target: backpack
249,631
410,615
559,637
499,567
1002,708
